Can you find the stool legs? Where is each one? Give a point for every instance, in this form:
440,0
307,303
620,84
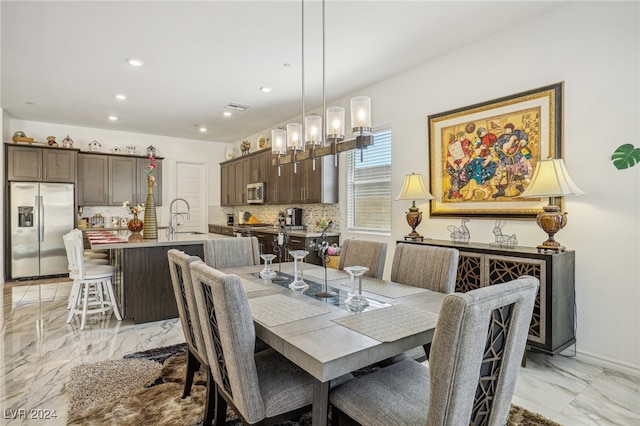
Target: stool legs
90,293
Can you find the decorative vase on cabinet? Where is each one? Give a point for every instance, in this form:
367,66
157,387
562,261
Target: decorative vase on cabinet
150,219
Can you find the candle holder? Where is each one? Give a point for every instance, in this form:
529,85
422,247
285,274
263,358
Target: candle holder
298,283
280,243
267,273
356,302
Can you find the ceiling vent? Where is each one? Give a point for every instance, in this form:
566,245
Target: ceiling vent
238,107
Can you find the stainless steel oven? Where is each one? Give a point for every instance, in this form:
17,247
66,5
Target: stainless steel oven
255,193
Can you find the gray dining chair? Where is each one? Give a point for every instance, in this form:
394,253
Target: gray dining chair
371,254
477,348
223,253
431,267
261,387
179,263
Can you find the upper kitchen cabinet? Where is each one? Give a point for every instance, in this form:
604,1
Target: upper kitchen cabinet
39,164
258,167
93,180
123,184
319,185
110,180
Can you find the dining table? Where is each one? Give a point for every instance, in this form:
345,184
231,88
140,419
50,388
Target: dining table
322,336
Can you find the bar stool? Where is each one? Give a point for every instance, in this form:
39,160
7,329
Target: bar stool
92,292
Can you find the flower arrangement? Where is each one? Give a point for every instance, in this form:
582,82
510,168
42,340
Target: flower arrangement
324,223
150,169
134,210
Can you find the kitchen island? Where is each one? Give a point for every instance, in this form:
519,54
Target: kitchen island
142,281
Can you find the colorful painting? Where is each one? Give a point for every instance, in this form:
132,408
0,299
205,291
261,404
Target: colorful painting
483,155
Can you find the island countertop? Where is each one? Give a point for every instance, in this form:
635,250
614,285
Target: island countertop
274,230
103,239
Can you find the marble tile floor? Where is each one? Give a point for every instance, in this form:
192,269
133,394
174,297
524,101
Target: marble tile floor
38,350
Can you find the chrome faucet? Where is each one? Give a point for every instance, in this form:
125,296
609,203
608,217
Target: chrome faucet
171,232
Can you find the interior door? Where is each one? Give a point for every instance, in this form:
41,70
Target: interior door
189,185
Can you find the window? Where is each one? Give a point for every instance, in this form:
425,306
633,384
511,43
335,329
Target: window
369,186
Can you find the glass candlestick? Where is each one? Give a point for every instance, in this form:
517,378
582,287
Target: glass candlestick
267,273
356,302
298,283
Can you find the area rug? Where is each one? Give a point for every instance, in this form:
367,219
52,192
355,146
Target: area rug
145,389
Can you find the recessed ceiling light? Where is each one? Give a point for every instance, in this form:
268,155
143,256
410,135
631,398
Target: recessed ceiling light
286,65
113,118
227,113
265,89
120,96
135,62
202,129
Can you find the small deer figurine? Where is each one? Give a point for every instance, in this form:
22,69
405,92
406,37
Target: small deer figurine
501,239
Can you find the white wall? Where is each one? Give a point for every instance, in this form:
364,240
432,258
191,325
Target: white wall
172,149
594,48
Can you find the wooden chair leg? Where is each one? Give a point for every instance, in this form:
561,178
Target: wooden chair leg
221,409
209,407
192,366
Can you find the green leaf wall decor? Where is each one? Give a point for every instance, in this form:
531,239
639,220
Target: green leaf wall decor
625,156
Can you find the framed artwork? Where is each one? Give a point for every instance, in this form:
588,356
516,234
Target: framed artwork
483,155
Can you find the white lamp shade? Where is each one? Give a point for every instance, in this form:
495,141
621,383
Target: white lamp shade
361,114
313,130
551,179
414,189
279,141
294,137
335,123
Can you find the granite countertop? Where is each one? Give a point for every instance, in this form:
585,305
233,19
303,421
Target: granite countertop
274,230
105,239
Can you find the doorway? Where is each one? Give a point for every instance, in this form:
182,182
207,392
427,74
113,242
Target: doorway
190,178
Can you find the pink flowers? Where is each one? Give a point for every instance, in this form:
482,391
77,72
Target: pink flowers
150,168
333,250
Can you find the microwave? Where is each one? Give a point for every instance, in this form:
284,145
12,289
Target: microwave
255,193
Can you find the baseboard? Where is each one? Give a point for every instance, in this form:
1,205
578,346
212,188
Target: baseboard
622,367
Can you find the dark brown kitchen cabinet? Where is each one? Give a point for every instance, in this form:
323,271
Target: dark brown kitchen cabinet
278,186
122,180
315,185
93,180
110,180
224,184
258,167
38,164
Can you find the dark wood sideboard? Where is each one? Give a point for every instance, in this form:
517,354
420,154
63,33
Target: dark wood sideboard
553,323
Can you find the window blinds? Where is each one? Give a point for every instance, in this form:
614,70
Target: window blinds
369,186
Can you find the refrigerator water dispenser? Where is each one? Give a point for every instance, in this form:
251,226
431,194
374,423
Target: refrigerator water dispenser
25,217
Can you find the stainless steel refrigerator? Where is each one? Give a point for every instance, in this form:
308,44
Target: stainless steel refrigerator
41,213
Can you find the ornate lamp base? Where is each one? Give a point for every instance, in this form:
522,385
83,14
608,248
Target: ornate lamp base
551,221
414,217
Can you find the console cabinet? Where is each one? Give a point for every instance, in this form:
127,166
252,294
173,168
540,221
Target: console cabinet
553,322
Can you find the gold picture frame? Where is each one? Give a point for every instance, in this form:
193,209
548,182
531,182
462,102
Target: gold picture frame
482,156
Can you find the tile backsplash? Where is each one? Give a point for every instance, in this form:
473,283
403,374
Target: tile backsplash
269,214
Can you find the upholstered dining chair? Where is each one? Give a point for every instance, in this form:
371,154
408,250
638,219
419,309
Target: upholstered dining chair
371,254
477,348
261,387
430,267
223,253
179,263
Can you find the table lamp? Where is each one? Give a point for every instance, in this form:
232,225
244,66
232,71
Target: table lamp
551,179
414,189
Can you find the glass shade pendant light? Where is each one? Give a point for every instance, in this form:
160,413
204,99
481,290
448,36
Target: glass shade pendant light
335,128
278,144
361,115
313,134
294,141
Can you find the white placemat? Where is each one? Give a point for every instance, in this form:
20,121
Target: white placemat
387,288
389,324
243,270
332,274
278,309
